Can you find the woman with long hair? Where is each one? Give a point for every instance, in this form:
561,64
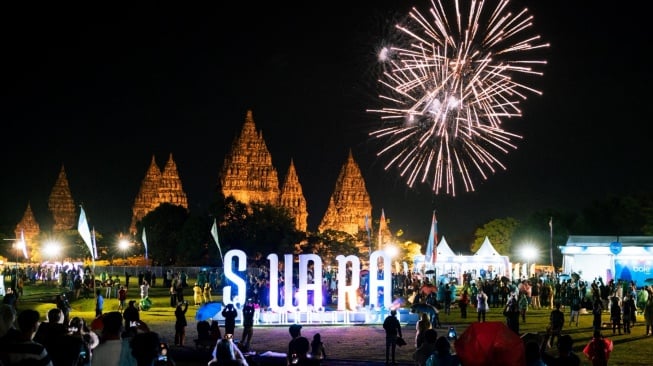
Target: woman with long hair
423,324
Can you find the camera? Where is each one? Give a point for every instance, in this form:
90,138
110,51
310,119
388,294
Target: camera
452,333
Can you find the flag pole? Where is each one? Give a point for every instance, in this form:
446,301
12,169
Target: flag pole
551,242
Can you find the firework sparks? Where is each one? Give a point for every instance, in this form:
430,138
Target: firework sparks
448,87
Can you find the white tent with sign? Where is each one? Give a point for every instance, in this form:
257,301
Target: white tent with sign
446,263
488,263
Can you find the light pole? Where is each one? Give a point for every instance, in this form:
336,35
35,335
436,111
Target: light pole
20,245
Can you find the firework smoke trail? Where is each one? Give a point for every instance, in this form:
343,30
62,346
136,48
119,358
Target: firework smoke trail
448,88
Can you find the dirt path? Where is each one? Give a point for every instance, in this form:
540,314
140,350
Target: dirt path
345,344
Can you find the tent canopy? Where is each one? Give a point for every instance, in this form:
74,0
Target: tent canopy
444,250
487,249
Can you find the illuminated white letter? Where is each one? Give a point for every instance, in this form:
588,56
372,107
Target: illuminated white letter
234,277
385,282
274,282
304,286
347,293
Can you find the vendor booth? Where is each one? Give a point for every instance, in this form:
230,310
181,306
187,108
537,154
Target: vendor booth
627,258
485,263
488,262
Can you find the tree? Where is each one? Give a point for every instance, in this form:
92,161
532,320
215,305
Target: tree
163,227
499,231
194,242
329,244
258,227
408,251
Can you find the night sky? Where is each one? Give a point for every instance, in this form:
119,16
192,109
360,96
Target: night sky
102,90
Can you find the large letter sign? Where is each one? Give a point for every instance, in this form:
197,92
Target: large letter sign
233,277
274,283
385,283
305,286
309,290
347,292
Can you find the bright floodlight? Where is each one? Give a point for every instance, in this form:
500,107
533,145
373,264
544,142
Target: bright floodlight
52,249
391,250
123,244
529,252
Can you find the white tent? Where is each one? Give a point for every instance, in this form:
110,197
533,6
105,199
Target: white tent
487,250
446,263
485,262
444,250
488,262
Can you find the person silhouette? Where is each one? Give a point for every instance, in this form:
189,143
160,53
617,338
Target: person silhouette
392,329
229,313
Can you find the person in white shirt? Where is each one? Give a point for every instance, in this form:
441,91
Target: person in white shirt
482,306
145,289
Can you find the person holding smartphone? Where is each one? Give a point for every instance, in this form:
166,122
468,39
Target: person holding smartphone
180,323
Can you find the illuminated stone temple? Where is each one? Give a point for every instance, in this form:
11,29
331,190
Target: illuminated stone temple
249,176
158,187
61,204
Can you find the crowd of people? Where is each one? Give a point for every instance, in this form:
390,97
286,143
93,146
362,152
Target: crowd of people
616,301
619,301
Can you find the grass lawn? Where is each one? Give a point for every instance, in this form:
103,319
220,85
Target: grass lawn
632,349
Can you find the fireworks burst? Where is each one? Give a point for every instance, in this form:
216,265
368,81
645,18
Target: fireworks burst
448,88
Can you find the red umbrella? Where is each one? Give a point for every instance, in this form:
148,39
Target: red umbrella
490,343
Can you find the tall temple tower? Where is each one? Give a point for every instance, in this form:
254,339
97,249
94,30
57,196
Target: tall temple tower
350,202
170,189
385,236
61,204
247,173
292,198
30,230
157,188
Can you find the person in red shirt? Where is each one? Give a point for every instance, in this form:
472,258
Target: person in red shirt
598,349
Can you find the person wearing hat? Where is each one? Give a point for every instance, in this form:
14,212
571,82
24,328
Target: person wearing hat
295,331
392,329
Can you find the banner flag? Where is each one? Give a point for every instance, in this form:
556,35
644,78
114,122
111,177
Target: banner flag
431,246
367,225
145,242
214,233
84,232
94,244
24,244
